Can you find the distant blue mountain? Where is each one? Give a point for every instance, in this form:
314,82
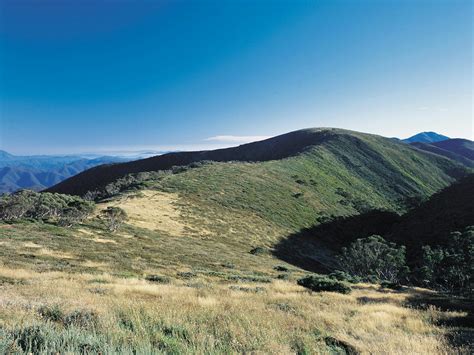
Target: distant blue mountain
5,156
426,137
42,171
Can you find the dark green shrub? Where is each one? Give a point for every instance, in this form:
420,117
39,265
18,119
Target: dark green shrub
158,279
258,251
249,278
319,283
391,285
52,313
281,268
228,265
186,274
344,276
81,318
30,339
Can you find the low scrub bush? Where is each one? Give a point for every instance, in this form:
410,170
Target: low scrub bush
84,318
52,313
319,283
391,285
186,274
258,251
249,278
47,338
158,279
344,276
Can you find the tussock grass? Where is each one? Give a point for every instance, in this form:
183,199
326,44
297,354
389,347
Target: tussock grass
56,311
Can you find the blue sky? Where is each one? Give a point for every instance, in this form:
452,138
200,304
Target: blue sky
104,76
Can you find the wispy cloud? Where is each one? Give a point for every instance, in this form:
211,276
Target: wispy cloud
236,139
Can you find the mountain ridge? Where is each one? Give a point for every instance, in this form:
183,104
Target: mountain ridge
425,137
275,148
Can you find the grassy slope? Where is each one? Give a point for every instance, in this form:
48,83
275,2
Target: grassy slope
334,178
226,209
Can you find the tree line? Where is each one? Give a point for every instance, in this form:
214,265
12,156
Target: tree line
63,210
448,268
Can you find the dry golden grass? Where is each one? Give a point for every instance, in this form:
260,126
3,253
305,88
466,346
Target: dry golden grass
208,317
152,210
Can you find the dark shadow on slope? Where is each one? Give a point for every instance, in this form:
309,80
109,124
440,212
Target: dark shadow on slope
460,327
431,223
313,248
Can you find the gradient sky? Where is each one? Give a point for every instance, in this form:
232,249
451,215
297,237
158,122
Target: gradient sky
104,76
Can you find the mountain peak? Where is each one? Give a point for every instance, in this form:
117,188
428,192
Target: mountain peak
426,137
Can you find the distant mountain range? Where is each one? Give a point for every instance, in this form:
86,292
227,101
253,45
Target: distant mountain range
41,171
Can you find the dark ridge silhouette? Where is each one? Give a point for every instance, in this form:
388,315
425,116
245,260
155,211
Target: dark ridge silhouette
459,146
460,150
347,146
279,147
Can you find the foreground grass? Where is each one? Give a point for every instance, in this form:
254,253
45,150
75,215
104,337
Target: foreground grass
59,312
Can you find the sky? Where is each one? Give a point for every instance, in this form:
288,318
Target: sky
106,76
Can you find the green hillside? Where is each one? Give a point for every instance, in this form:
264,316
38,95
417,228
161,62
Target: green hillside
349,173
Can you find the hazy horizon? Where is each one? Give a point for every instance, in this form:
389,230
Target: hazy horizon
209,143
88,77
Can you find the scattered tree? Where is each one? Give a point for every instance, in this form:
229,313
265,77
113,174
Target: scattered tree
114,217
56,208
450,268
374,259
